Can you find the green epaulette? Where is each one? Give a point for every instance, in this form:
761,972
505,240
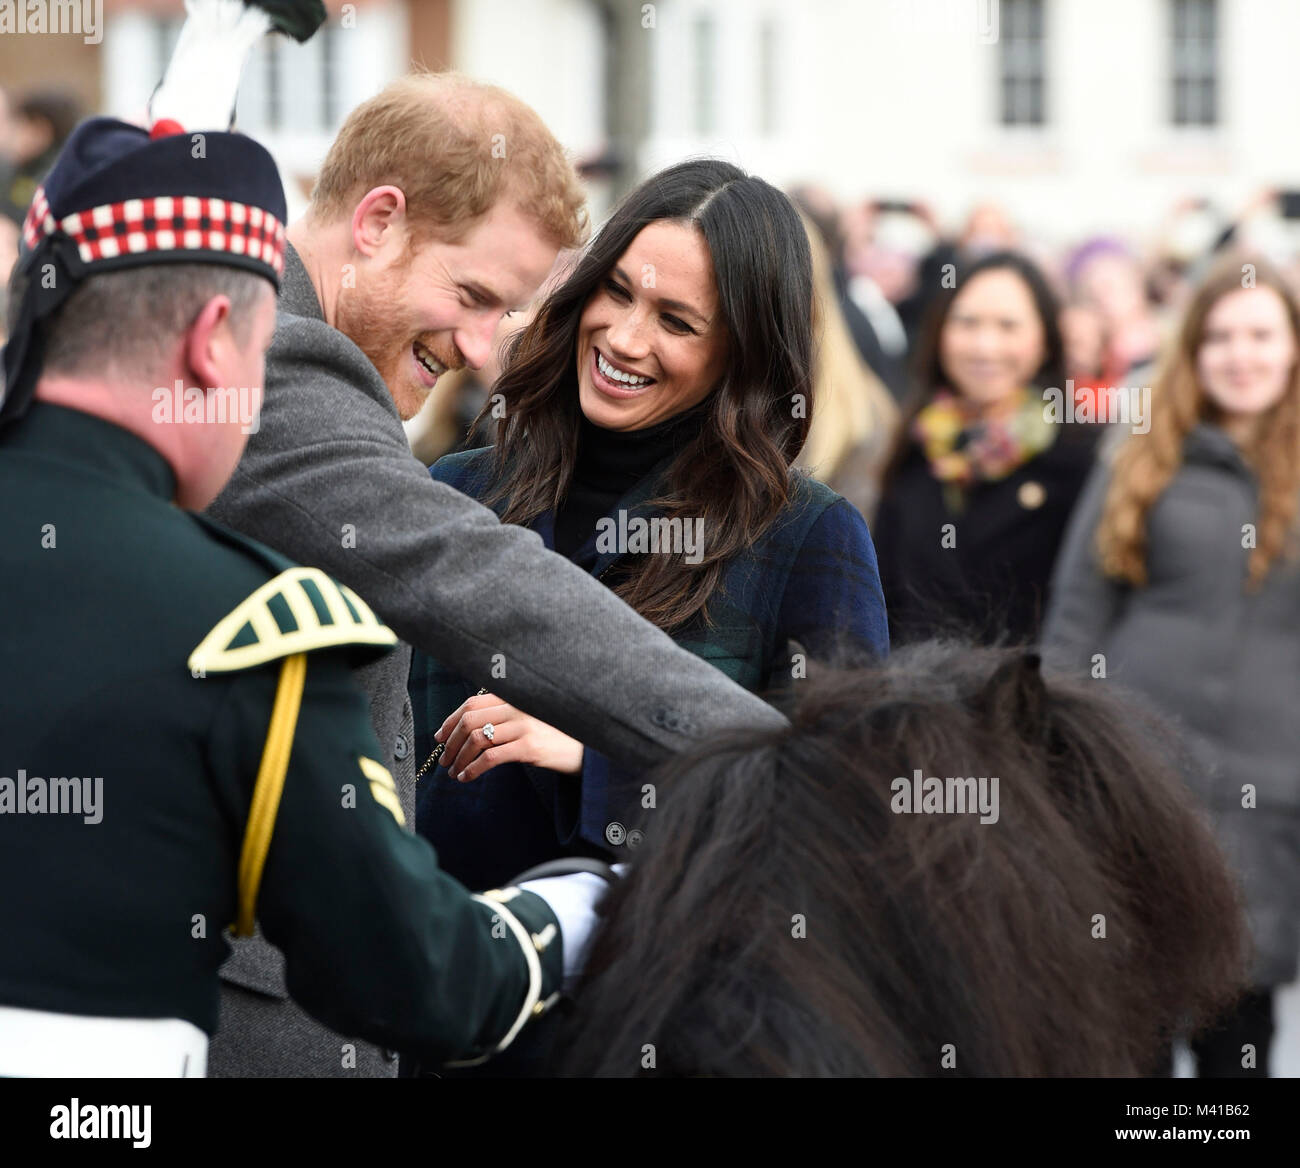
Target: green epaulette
289,616
300,610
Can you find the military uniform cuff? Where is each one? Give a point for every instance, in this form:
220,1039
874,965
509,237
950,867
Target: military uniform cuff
533,926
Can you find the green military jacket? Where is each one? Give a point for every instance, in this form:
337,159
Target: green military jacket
157,671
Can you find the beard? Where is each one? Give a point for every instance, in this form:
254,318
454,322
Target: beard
372,320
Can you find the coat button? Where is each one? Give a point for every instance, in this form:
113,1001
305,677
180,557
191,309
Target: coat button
1031,495
658,718
400,747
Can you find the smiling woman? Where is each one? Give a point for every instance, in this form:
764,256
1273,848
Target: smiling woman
667,380
1180,575
652,346
982,478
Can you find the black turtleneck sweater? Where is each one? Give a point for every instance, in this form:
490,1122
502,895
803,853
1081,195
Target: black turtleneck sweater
609,464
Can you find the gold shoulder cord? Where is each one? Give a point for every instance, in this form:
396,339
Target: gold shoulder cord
270,785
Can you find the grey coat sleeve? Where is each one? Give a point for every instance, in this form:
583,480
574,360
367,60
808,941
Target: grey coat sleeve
328,480
1085,603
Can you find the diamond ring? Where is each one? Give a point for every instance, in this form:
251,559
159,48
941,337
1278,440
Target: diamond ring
489,731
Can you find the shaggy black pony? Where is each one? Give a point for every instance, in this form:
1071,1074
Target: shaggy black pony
790,913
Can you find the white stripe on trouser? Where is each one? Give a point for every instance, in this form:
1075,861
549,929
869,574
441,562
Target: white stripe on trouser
37,1044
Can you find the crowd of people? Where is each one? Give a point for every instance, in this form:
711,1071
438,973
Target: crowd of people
833,659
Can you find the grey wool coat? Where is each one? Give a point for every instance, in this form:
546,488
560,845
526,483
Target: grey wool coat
329,480
1223,662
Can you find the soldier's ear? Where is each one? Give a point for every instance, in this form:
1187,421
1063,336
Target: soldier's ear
205,341
1015,696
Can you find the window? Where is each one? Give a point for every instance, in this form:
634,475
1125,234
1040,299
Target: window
1022,63
285,87
1195,72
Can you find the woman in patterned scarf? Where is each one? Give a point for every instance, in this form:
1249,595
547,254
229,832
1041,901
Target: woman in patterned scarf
983,476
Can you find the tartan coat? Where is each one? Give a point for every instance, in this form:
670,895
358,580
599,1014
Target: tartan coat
810,583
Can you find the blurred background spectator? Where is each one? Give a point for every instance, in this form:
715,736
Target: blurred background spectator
38,125
1179,580
979,483
853,418
1106,276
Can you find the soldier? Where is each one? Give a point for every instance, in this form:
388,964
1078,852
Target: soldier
183,745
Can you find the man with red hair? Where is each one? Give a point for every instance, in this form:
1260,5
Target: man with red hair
441,207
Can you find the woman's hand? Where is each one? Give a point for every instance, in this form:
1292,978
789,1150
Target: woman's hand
516,737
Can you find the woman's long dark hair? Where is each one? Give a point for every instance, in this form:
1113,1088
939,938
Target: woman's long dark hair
734,474
782,917
928,373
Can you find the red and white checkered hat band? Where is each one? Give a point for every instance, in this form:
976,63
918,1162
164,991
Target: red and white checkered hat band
39,222
165,223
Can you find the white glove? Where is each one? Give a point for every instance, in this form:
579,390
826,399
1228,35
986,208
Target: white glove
573,900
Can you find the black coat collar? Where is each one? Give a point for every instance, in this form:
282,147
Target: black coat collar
88,443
